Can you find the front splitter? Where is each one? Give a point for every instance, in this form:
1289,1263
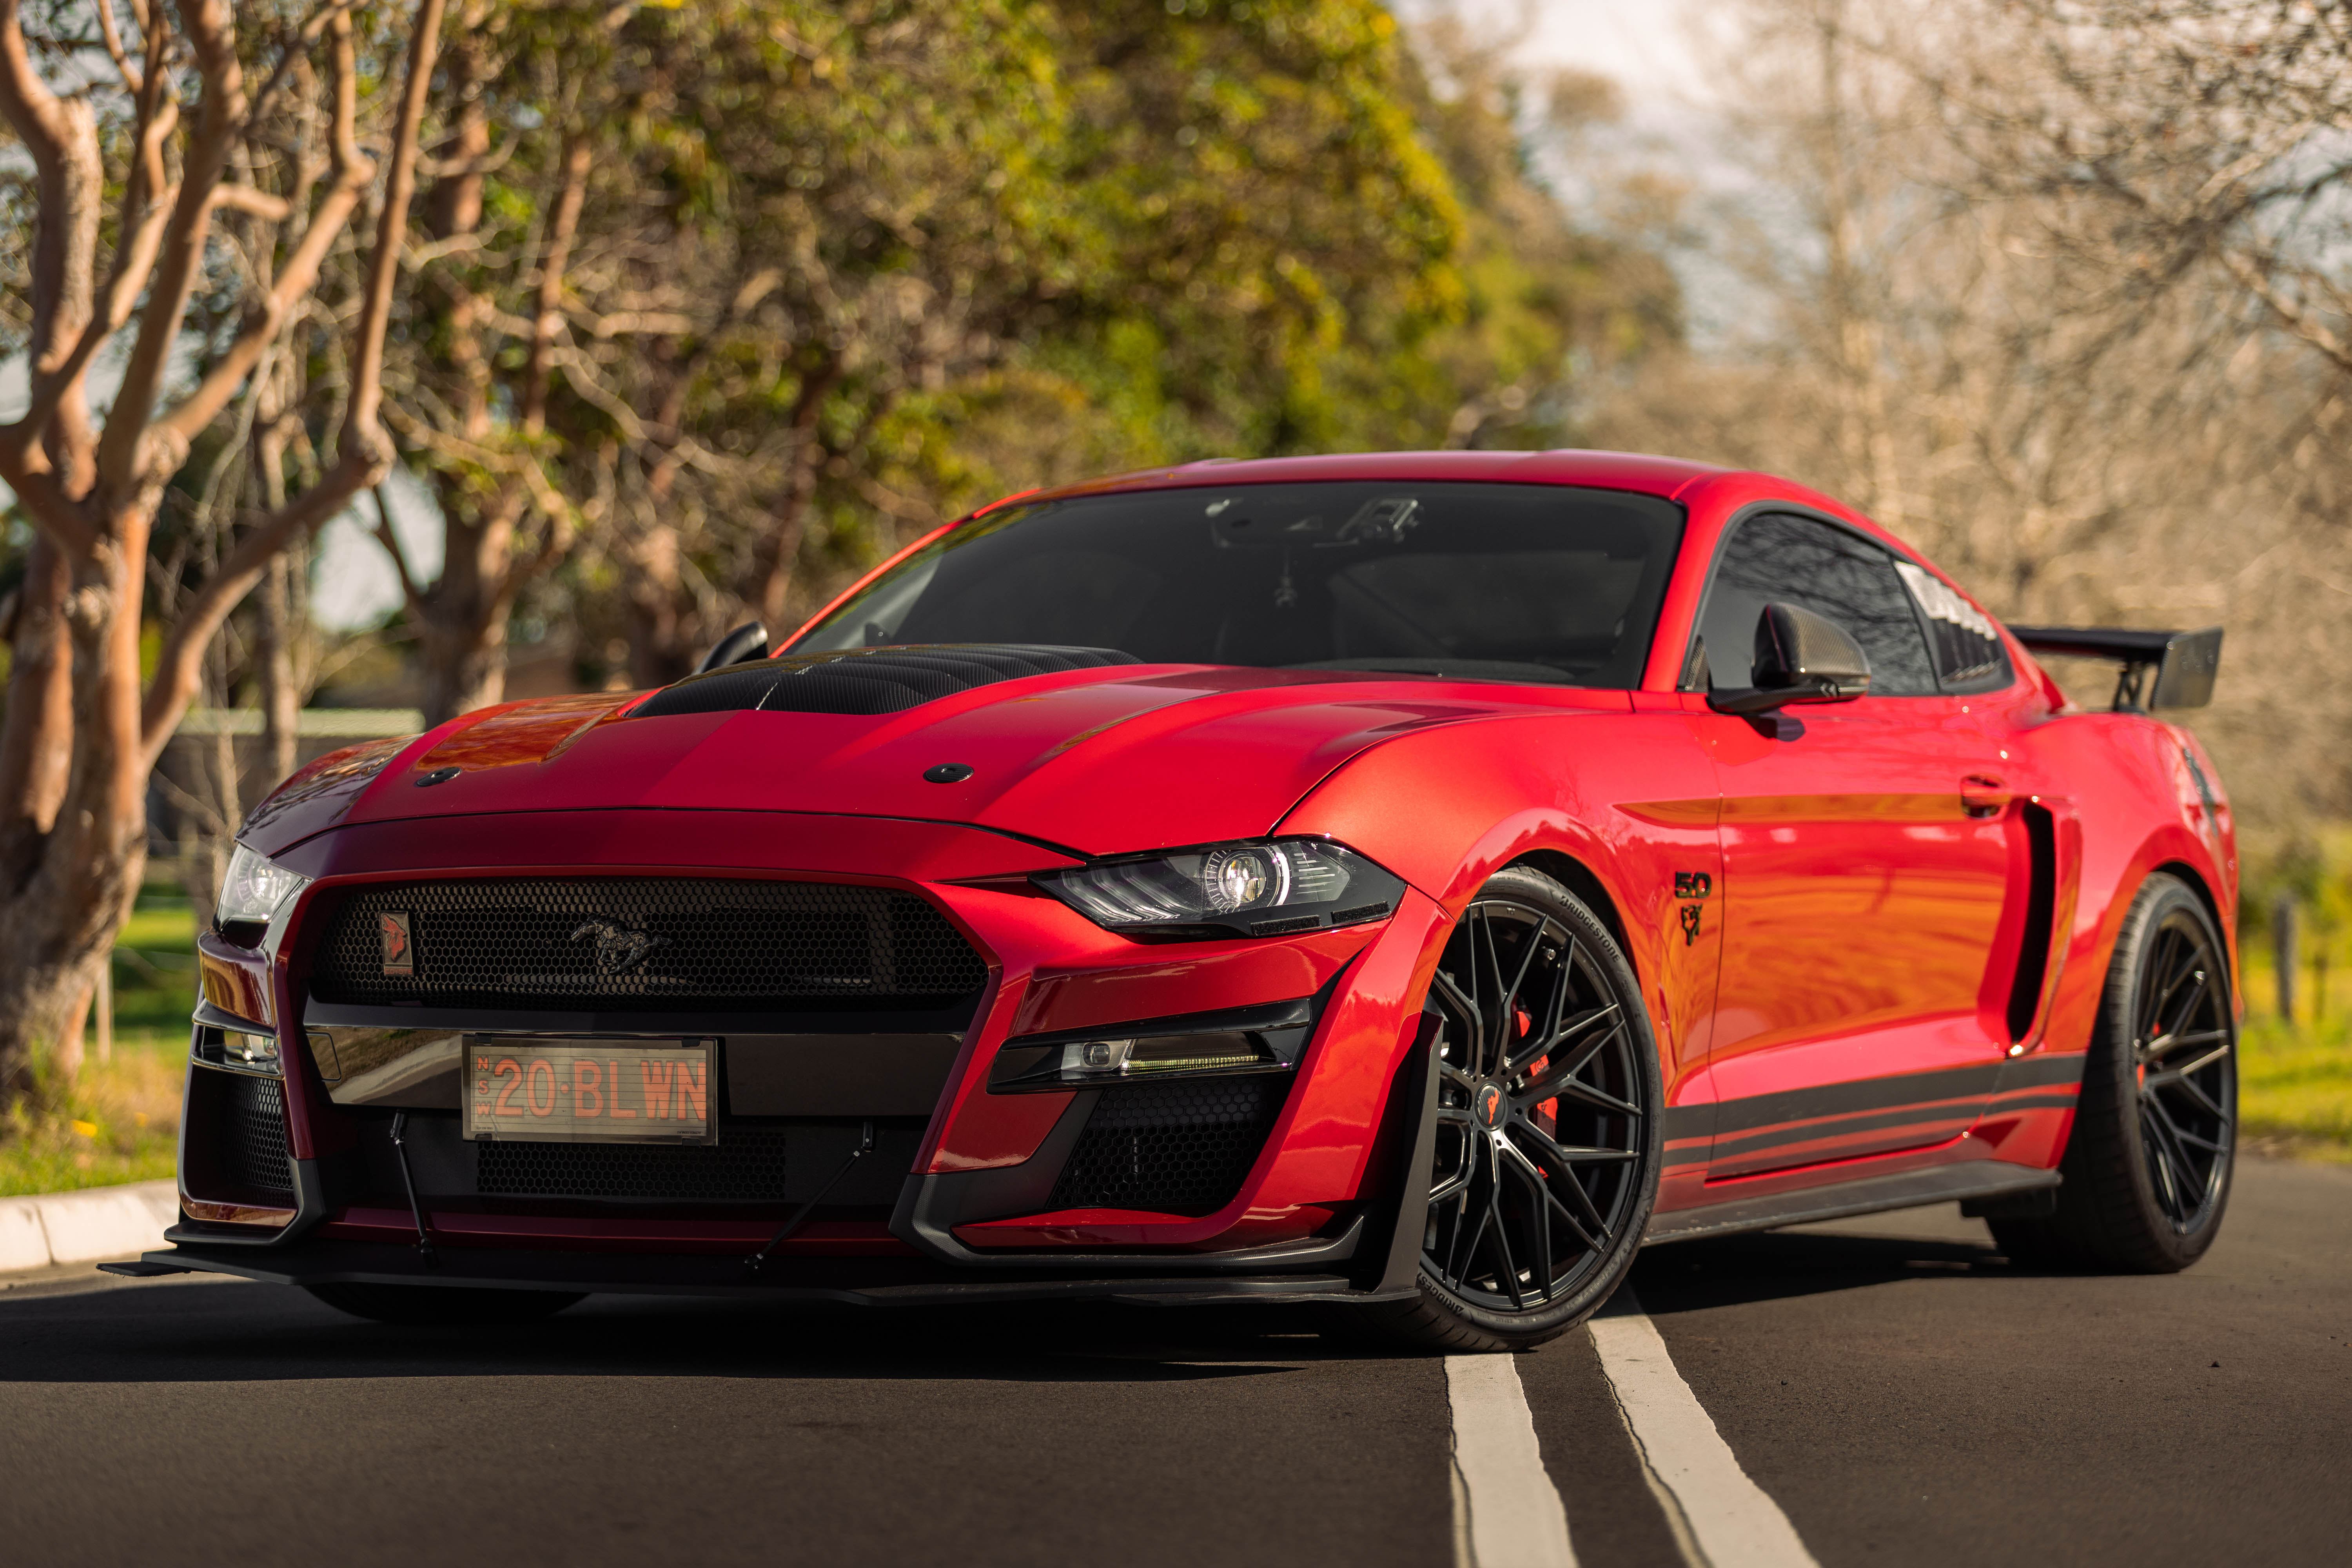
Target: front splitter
857,1282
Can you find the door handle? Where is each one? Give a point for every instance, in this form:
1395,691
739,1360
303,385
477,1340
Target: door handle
1983,796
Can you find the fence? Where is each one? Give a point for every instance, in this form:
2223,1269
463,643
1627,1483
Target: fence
242,735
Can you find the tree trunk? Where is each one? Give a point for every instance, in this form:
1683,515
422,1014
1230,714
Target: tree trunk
661,620
77,853
466,672
37,728
281,699
464,648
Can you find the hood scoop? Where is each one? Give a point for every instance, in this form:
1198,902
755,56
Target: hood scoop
868,681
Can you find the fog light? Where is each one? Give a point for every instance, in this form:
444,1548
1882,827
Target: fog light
254,1050
236,1049
1247,1040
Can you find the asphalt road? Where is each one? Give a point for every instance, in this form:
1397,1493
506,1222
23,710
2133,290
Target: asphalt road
1900,1390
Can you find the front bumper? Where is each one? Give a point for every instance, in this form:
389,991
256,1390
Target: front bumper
973,1208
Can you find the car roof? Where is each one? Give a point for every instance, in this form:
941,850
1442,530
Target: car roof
1634,471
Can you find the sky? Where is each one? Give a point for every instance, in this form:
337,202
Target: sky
1646,47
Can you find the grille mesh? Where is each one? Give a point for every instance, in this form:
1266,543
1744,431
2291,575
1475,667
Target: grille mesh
252,1149
633,944
746,1167
1173,1148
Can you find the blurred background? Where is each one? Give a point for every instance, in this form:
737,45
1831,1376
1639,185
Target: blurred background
708,307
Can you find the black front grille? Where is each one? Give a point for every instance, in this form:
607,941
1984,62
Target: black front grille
746,1166
1173,1148
252,1153
639,944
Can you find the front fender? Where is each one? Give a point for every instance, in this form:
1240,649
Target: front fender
1630,798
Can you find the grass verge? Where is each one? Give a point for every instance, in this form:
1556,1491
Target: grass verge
117,1121
2295,1088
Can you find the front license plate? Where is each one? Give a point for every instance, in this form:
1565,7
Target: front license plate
588,1091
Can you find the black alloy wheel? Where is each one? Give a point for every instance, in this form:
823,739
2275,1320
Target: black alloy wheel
2147,1168
1547,1126
2184,1058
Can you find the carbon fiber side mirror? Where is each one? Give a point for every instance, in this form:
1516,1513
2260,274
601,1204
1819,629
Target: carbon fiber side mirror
1801,657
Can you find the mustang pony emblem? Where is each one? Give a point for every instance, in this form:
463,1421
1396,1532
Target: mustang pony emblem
394,937
618,950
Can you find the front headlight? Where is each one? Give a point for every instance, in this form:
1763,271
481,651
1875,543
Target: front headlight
254,889
1271,888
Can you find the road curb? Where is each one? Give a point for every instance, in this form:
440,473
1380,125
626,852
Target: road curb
53,1229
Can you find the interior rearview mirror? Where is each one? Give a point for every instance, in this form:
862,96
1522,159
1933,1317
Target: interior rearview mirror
1801,657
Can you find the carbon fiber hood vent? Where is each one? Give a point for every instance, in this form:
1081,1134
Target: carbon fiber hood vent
868,681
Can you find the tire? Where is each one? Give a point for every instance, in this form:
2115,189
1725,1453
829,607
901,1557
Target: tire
442,1303
2148,1164
1574,1175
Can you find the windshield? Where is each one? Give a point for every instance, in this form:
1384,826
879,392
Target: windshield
1487,582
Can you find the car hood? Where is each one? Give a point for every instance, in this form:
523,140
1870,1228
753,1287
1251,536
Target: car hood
1097,761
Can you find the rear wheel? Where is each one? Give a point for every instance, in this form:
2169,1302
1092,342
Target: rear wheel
442,1303
1547,1125
2147,1167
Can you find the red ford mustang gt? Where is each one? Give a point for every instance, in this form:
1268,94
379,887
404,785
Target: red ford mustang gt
1405,882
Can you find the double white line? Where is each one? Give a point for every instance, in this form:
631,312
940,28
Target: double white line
1507,1513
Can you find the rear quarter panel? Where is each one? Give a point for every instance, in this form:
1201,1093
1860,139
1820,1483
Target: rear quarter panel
2129,806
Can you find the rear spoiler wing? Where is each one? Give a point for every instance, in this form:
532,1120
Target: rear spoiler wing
2183,664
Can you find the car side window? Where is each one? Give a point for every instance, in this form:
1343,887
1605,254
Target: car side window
1968,651
1779,557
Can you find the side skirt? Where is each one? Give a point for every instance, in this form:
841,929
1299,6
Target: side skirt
1975,1180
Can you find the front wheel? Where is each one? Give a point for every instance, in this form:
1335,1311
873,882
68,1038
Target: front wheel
1547,1125
2148,1166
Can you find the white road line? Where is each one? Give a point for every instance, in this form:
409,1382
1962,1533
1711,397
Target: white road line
1506,1512
1721,1518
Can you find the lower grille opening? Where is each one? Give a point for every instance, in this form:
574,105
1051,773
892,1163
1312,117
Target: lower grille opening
252,1153
1173,1148
746,1166
776,1164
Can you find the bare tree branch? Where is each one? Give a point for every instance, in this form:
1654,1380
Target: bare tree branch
111,28
301,270
123,450
364,449
409,591
550,320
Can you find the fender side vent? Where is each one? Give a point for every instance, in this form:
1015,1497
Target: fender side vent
2041,900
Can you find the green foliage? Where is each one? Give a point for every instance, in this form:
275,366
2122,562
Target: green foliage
1300,243
845,268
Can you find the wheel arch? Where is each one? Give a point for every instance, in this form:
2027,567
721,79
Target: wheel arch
2186,872
1580,880
2190,874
